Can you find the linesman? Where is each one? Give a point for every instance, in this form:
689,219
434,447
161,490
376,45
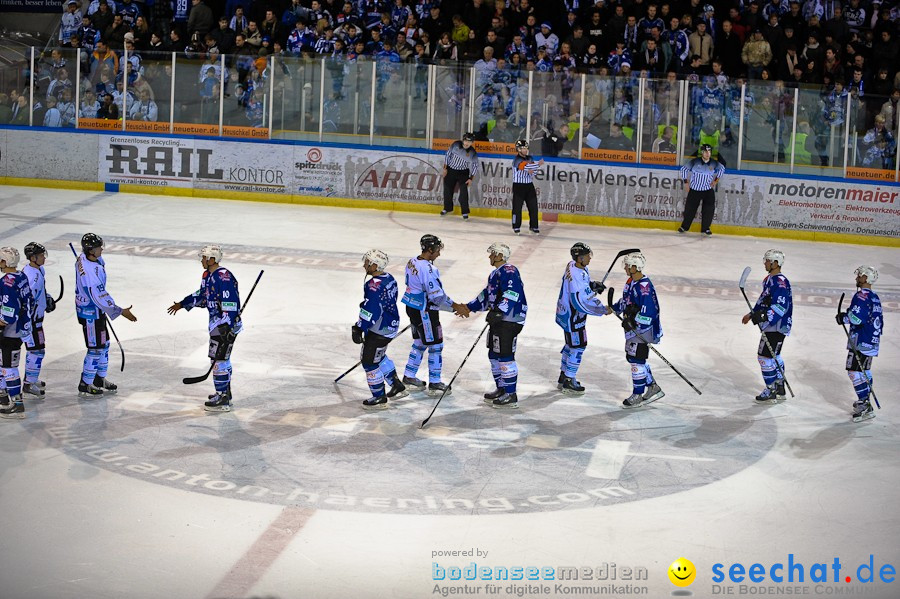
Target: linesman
524,168
702,175
460,166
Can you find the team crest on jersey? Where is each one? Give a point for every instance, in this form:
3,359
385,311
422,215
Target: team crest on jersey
224,275
374,284
644,287
782,282
9,281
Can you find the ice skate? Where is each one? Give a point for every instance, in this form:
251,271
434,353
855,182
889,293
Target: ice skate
435,389
398,390
36,389
220,402
495,394
89,391
652,393
779,391
862,410
506,401
13,408
416,384
571,387
105,384
768,396
375,403
635,400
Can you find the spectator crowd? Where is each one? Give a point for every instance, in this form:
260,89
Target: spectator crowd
736,54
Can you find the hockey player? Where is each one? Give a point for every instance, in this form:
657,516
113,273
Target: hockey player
218,293
506,306
578,297
424,298
639,308
773,313
866,320
16,309
93,305
377,326
43,304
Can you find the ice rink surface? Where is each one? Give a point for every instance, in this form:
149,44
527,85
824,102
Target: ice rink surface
300,493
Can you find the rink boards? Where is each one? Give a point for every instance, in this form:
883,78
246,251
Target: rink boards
794,207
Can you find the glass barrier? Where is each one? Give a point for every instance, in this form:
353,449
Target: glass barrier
752,125
452,106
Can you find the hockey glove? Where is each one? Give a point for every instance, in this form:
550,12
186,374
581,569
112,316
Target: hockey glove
357,334
597,287
495,316
759,317
840,318
631,310
628,324
51,305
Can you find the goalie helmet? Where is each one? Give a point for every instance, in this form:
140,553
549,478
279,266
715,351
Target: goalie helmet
376,257
211,251
580,249
775,256
870,273
34,249
501,249
635,259
10,255
430,243
91,241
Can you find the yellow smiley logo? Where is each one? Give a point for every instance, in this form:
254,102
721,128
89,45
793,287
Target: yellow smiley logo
682,572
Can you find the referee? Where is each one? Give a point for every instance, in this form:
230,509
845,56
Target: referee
460,166
704,173
524,167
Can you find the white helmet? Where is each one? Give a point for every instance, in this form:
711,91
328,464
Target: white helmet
11,255
211,251
635,259
775,256
501,249
869,271
376,257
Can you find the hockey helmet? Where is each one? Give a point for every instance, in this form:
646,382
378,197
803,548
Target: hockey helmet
430,243
211,251
376,257
580,249
635,259
775,256
10,255
468,137
91,241
34,249
705,147
501,249
521,144
869,272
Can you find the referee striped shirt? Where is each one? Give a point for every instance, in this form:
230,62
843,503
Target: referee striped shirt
702,174
524,169
460,159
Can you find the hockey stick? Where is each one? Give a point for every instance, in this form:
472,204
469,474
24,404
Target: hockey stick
424,422
349,370
108,321
190,380
616,259
609,302
743,283
856,355
62,288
